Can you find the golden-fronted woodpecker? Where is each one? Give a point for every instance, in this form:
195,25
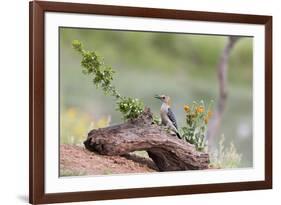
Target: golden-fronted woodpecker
168,118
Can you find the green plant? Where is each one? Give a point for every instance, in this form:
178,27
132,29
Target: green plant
102,77
156,120
197,117
130,107
225,157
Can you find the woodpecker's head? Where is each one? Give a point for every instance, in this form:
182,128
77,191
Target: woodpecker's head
164,98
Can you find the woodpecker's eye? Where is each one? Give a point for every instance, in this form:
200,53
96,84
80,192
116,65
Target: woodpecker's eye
163,98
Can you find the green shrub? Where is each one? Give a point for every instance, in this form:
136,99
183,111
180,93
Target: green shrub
130,107
197,117
102,77
225,157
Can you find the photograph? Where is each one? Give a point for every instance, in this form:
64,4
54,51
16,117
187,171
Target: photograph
146,102
129,102
140,102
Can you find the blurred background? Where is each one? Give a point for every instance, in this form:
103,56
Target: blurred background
183,66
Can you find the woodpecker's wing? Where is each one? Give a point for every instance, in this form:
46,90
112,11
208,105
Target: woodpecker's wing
172,117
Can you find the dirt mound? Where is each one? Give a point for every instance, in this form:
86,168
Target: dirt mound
76,160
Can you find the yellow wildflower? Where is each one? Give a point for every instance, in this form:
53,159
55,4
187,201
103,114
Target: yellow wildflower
200,109
210,114
71,113
206,120
186,108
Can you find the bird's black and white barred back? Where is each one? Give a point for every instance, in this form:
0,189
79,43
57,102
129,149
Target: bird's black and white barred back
172,117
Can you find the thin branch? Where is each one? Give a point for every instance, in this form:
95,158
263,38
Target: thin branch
215,122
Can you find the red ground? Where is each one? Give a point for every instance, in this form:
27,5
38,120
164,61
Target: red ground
76,160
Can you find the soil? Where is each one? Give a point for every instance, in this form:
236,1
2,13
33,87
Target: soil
76,160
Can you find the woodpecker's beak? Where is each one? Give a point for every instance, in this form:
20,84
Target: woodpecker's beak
158,97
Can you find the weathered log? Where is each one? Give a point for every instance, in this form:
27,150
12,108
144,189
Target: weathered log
167,151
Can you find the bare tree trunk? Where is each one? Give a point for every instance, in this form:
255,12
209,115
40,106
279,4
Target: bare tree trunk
168,152
222,77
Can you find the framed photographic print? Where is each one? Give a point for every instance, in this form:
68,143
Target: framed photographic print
138,102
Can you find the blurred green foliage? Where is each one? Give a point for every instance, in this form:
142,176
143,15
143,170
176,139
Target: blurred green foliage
200,53
183,66
75,125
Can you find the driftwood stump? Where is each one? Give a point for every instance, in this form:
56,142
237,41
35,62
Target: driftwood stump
167,151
